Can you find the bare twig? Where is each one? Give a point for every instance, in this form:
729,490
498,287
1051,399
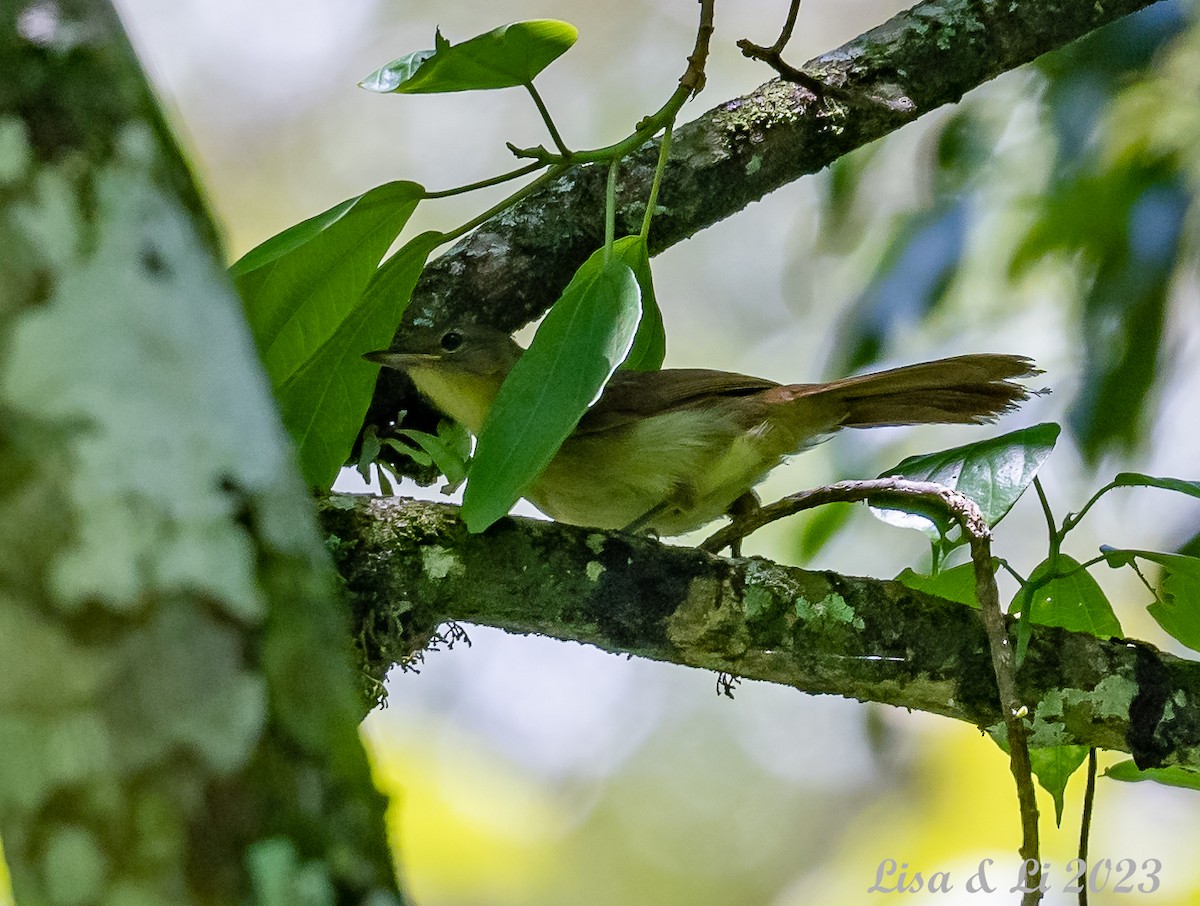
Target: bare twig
773,57
785,33
841,492
968,515
693,78
1085,824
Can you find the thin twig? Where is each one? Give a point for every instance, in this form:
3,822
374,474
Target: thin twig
841,492
968,515
789,73
785,33
1085,824
693,77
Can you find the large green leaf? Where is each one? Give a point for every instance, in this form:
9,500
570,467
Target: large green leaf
994,473
298,287
584,337
1175,775
324,401
1075,602
650,343
507,56
1177,608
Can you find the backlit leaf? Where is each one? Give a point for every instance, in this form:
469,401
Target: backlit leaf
502,58
994,473
650,342
580,343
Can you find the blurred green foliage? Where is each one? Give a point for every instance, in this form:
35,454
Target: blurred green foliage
1117,109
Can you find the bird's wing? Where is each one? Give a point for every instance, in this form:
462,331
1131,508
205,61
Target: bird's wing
631,395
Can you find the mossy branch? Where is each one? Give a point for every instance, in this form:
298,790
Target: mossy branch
410,566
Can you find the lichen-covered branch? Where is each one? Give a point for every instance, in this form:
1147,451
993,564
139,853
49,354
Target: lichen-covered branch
410,566
511,269
178,721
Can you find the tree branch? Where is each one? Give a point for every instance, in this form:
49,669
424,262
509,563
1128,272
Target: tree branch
410,566
512,269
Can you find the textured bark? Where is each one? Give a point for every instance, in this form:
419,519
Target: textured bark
411,566
177,722
510,270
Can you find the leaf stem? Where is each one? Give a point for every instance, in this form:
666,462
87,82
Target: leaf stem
550,175
652,202
1012,572
548,120
1073,520
1051,525
485,183
610,208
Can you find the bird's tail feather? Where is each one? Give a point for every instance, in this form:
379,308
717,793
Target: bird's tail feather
968,389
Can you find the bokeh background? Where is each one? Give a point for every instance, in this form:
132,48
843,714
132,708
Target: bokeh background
1049,214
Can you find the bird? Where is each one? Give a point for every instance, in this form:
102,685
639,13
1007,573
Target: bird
666,452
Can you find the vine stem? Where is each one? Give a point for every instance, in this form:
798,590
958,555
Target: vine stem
690,84
1073,520
974,526
550,175
486,183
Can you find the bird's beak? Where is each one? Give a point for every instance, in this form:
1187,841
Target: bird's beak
392,359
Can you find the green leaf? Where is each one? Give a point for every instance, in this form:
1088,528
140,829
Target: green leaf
954,584
324,401
650,342
298,287
1177,608
1075,602
369,451
1137,479
994,473
450,448
1175,775
1053,766
507,56
581,341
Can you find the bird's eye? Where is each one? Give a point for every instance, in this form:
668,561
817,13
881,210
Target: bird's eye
451,340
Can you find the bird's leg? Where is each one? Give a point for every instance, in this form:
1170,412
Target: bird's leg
743,506
647,517
682,499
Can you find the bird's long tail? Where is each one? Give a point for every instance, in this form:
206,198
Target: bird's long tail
966,389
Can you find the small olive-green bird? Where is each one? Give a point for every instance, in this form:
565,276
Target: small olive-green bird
669,451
